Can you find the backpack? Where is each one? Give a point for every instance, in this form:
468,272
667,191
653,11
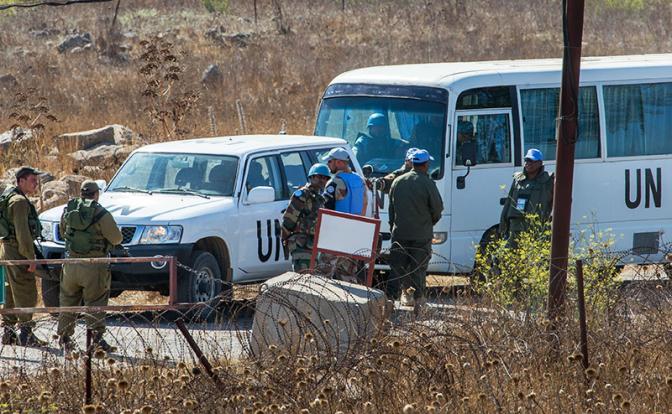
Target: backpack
5,225
79,216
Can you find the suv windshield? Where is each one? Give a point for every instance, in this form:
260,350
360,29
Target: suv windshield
195,174
381,129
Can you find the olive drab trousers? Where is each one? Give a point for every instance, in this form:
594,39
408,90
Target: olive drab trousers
408,264
21,290
88,284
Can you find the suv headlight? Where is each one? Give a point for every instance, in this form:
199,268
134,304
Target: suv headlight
439,237
161,234
47,230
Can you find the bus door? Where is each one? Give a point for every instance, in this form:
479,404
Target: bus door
484,138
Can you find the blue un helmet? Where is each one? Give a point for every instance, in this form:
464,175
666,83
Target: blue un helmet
376,119
319,169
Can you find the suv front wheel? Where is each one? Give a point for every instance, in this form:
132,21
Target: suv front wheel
204,283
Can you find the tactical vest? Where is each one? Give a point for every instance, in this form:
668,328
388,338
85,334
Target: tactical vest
7,230
353,202
528,195
81,236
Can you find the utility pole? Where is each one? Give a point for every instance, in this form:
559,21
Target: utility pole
566,137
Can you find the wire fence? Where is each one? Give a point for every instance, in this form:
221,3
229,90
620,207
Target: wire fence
312,342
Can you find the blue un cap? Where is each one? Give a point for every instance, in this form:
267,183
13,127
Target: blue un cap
409,153
421,156
376,119
534,154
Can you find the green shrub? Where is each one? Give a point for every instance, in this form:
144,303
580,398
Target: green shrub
216,6
518,277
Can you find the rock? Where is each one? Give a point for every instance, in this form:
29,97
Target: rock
108,135
55,193
80,49
73,41
46,177
44,32
212,75
92,171
8,81
103,156
239,39
74,182
299,313
218,35
15,135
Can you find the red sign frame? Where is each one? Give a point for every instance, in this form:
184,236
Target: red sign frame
371,259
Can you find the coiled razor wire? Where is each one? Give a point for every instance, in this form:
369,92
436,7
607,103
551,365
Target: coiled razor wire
336,340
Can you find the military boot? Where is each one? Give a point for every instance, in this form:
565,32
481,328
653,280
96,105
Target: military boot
100,342
28,338
9,336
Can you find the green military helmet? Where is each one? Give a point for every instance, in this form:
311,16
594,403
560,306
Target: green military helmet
319,169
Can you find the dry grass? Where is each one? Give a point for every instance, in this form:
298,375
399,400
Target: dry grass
279,77
479,358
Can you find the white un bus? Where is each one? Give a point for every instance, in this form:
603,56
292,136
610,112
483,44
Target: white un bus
623,152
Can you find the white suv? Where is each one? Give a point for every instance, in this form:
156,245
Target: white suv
214,203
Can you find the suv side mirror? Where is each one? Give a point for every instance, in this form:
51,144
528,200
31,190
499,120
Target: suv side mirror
259,195
367,170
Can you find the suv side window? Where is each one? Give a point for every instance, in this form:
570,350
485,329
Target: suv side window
295,170
264,172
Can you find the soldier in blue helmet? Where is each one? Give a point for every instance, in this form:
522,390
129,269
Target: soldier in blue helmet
378,143
300,218
531,193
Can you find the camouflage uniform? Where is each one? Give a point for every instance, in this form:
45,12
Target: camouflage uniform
88,283
298,225
24,229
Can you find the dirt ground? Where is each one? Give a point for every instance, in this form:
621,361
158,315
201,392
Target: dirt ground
249,292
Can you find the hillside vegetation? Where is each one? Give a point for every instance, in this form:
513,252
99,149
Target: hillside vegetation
272,72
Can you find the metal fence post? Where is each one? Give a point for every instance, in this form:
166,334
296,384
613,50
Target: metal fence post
88,380
582,314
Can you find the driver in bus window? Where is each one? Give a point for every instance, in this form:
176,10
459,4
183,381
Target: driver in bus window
378,143
467,147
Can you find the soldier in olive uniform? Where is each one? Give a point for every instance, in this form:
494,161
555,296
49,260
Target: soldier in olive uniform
89,231
300,218
415,207
23,228
531,193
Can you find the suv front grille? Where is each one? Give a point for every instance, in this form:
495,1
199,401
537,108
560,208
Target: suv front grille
127,234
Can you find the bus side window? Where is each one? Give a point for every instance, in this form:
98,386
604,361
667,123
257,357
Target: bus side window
540,110
489,141
638,119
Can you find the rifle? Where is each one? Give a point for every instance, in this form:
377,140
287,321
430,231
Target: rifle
42,270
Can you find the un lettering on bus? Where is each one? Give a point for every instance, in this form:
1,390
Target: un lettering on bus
652,188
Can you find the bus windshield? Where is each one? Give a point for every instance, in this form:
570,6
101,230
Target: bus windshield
381,129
